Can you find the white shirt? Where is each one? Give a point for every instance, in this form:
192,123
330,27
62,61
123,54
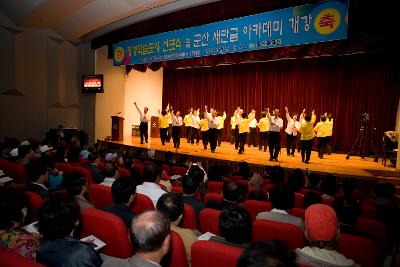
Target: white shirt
143,117
108,181
276,124
253,123
292,127
195,121
177,121
152,190
213,122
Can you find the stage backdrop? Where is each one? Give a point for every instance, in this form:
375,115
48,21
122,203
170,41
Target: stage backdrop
345,86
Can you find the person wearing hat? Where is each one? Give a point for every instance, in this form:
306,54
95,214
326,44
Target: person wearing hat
322,232
110,157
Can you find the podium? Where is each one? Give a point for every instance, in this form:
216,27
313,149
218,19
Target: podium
155,128
117,128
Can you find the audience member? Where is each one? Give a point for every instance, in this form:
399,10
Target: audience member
111,173
269,253
37,174
232,192
329,187
171,204
123,193
151,239
349,186
311,198
58,218
151,188
54,177
190,187
296,180
313,180
322,233
25,153
77,187
215,173
276,175
14,208
258,194
97,174
282,199
235,226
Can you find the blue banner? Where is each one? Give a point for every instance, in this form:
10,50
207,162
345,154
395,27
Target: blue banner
311,23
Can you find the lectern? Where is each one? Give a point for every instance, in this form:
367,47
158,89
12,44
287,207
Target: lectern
155,129
117,128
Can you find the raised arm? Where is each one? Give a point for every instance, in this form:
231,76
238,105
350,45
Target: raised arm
224,116
313,117
287,114
252,115
269,116
302,115
138,109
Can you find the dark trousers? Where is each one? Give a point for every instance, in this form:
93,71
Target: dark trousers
212,133
290,144
144,132
219,136
169,133
163,134
306,146
236,137
242,142
188,133
252,137
274,140
263,140
322,142
232,136
204,137
328,144
195,135
176,136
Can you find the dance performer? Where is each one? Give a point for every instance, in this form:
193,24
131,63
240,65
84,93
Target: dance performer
263,125
163,124
307,135
169,131
195,126
329,120
204,131
244,129
144,124
187,120
238,117
213,123
233,126
274,136
291,132
252,135
322,129
220,129
176,128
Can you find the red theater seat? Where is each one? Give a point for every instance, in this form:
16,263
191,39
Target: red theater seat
85,172
189,218
177,170
17,172
290,235
141,203
298,212
214,187
213,254
35,201
109,228
209,221
360,249
124,172
100,195
375,229
66,168
11,259
178,253
213,196
254,207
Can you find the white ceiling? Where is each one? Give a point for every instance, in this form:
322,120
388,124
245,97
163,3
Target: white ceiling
87,19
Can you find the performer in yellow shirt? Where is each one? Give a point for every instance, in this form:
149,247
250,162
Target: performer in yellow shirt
244,129
322,130
204,131
329,120
163,124
263,125
307,135
220,129
187,120
233,125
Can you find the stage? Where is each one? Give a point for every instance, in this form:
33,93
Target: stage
336,164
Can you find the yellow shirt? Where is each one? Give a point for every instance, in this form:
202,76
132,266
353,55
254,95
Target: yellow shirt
330,127
307,129
263,124
322,128
187,120
163,121
221,120
233,122
244,126
203,125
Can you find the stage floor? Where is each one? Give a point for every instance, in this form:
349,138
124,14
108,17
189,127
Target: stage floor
334,164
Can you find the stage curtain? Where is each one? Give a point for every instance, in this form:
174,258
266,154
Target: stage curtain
344,86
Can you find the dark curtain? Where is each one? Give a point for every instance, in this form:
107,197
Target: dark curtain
344,86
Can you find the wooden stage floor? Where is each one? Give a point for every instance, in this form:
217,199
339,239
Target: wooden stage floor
335,164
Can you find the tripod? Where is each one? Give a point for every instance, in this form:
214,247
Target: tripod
360,144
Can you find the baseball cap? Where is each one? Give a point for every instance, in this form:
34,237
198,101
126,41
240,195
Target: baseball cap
45,148
110,156
321,222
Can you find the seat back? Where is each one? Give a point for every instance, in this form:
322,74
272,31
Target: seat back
214,187
100,195
66,168
189,219
290,235
213,196
209,221
85,172
124,172
298,212
298,200
10,258
110,229
35,201
17,172
254,207
141,203
213,254
139,168
178,253
360,249
178,170
375,229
